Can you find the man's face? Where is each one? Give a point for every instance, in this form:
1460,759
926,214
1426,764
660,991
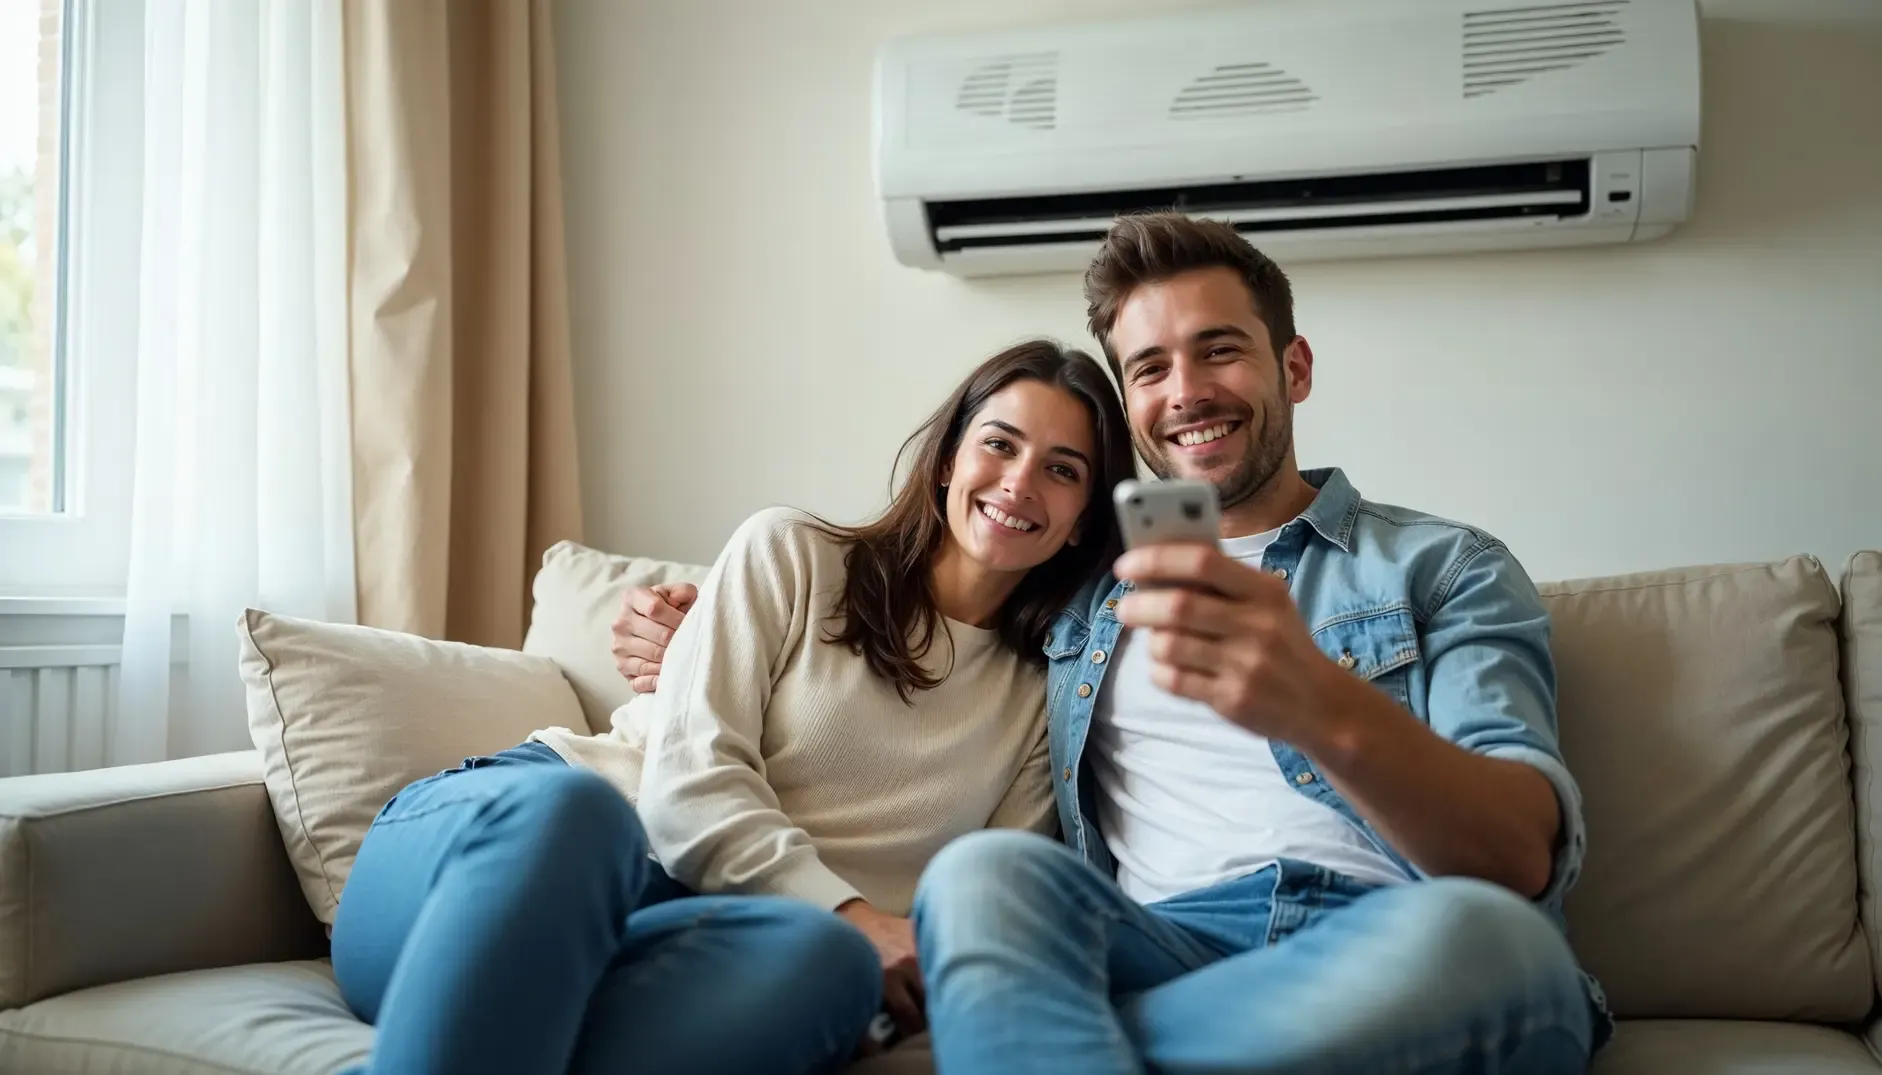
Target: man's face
1208,398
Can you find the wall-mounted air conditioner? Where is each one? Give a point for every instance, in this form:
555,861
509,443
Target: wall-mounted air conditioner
1320,128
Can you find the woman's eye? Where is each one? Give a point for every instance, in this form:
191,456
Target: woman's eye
998,444
1068,473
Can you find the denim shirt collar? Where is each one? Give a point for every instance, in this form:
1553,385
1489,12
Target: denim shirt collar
1334,511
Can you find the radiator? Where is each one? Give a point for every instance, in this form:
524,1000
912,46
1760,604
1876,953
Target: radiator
58,707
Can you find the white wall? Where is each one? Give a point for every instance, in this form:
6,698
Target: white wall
743,336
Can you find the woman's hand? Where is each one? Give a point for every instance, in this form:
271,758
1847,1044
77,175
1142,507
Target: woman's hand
649,616
894,939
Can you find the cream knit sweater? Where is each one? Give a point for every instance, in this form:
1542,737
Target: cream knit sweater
771,761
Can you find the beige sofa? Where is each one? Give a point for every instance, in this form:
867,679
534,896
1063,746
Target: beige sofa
1723,722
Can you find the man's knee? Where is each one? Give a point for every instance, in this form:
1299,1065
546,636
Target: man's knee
992,863
1479,931
1478,913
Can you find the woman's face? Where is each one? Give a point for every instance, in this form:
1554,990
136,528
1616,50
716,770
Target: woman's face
1019,482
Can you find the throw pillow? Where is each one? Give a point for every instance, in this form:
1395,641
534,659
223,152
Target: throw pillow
346,716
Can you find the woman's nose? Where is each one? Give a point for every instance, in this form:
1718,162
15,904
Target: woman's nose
1018,480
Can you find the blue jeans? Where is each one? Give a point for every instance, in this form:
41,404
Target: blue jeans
505,917
1036,962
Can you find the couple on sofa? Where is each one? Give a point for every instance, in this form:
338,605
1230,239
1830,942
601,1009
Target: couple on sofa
1310,815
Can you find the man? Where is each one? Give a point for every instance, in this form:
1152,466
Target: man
1314,814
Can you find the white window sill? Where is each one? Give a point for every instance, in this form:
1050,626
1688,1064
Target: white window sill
61,605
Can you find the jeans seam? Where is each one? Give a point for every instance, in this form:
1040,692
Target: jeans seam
428,809
685,941
1121,1039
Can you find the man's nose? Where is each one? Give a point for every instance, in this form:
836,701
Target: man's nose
1189,385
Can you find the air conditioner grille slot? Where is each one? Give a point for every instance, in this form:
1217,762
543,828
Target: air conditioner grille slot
1241,89
1541,190
1506,47
1022,88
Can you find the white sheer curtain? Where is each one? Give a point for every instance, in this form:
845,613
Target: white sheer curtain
242,494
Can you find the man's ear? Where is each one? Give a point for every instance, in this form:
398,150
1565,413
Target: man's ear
1297,369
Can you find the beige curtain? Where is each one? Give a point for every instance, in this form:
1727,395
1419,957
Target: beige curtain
464,466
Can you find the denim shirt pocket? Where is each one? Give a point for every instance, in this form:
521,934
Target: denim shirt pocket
1379,645
1066,636
1064,643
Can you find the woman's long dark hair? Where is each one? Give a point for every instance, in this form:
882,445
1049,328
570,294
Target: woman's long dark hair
888,607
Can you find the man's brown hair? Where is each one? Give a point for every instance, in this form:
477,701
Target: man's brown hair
1148,248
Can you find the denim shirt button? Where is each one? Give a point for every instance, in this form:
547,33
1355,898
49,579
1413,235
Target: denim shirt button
1097,656
1303,778
1110,602
1067,774
1084,690
1281,573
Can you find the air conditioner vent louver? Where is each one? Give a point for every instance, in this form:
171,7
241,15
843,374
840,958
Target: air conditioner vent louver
1022,89
1509,46
1241,89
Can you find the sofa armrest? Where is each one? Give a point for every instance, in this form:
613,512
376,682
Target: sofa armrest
122,873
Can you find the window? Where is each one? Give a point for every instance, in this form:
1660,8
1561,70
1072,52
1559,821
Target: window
71,154
30,104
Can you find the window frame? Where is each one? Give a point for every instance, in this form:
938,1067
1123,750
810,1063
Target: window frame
84,550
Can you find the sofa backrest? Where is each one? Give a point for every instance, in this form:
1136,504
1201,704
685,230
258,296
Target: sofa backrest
1701,711
1862,694
1703,714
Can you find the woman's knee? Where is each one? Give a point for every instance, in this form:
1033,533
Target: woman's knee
565,816
830,957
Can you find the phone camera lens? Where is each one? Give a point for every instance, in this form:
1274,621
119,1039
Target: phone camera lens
1137,502
1192,511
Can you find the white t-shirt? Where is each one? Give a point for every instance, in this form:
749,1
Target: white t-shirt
1187,799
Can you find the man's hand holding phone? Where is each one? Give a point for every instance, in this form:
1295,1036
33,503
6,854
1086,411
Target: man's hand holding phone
1220,632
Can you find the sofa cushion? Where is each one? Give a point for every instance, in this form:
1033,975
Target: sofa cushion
260,1019
1701,712
136,870
1718,1047
578,597
1862,686
346,716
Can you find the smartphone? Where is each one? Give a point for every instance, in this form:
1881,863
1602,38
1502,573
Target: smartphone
1149,513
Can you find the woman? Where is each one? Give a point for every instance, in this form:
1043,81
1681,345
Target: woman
841,704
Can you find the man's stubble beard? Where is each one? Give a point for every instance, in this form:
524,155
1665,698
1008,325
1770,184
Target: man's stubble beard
1267,452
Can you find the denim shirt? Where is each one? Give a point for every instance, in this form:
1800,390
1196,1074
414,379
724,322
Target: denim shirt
1437,615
